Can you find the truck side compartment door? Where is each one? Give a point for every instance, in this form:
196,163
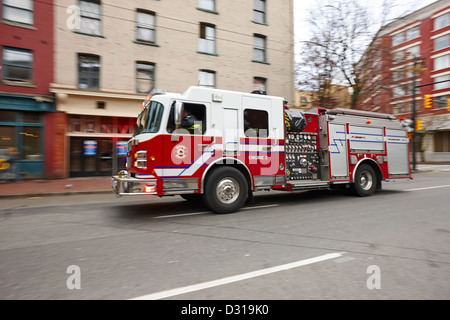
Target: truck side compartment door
338,152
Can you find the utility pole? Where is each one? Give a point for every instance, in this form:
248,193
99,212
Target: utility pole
414,135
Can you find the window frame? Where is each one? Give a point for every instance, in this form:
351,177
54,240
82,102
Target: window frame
89,87
149,64
6,65
85,17
257,11
204,40
443,17
209,73
8,5
262,49
442,57
445,36
152,28
257,80
205,8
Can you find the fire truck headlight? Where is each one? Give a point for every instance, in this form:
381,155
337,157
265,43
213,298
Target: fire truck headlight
140,159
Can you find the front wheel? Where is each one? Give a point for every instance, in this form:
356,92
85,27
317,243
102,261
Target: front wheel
226,190
365,181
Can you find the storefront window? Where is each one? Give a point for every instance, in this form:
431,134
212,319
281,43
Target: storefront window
31,117
90,125
31,143
7,116
74,124
123,125
106,125
7,137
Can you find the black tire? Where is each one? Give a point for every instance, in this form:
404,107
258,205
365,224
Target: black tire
192,197
365,181
226,190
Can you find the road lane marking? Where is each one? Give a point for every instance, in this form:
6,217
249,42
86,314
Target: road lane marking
236,278
183,215
426,188
205,212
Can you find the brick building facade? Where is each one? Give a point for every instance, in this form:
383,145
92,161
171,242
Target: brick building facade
26,103
416,52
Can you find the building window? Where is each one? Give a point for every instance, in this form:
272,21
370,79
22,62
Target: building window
441,101
442,62
259,48
412,33
303,101
88,72
145,29
259,11
208,5
18,11
443,85
397,39
442,21
207,39
207,78
413,52
259,84
442,42
256,123
90,17
17,65
145,77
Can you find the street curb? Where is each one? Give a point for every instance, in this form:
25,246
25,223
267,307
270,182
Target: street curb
65,193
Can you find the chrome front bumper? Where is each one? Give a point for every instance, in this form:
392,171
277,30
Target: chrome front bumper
128,186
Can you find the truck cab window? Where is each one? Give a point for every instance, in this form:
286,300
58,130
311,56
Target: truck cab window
193,120
149,120
256,123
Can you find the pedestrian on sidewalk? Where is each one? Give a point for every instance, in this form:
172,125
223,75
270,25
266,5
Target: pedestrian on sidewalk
13,171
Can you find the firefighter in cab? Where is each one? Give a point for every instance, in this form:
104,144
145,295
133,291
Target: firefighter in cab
191,123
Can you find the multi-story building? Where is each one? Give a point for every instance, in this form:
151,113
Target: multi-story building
110,55
418,47
26,70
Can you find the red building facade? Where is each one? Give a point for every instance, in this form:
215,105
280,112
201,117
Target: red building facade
26,103
416,54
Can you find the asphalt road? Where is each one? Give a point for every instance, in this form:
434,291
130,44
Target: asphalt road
285,246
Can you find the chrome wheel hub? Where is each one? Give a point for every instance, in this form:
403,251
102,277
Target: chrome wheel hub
227,190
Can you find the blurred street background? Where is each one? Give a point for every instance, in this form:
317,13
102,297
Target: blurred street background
73,76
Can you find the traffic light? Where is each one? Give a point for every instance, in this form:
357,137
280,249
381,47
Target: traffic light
428,101
419,125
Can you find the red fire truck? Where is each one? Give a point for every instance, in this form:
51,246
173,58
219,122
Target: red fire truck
221,146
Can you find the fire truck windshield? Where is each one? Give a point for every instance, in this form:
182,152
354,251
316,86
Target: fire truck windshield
149,120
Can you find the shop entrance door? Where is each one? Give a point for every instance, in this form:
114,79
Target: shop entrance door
91,157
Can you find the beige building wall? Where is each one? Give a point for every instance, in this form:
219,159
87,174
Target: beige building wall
175,54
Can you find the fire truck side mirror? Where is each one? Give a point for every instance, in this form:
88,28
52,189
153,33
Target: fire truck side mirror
179,110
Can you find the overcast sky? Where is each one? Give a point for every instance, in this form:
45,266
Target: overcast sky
301,8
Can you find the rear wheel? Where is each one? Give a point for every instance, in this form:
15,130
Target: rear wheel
226,190
365,181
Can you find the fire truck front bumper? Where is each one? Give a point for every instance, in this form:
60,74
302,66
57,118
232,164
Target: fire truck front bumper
129,186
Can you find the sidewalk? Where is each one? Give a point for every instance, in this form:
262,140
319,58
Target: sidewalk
36,188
